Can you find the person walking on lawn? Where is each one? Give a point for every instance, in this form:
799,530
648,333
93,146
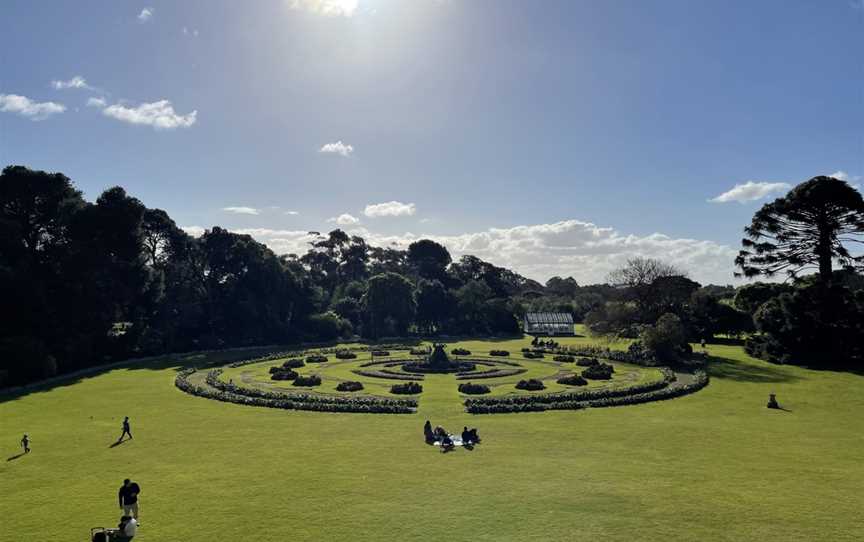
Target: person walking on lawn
128,496
126,430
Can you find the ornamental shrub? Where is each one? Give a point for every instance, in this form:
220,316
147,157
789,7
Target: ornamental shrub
345,354
572,380
293,363
283,374
409,388
473,389
349,385
311,380
460,352
316,358
532,384
564,358
601,371
380,353
587,362
419,352
532,355
501,353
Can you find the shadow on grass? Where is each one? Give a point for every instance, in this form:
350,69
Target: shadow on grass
177,362
739,371
14,457
117,443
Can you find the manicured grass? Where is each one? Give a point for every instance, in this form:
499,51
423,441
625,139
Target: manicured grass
715,465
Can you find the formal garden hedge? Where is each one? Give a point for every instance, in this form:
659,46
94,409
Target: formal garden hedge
281,373
460,352
372,373
499,353
572,380
231,393
639,393
600,371
409,388
380,353
310,380
564,358
470,388
345,354
316,358
532,384
491,373
293,363
532,355
349,385
587,362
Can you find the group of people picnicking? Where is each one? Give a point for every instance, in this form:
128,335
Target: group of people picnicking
441,437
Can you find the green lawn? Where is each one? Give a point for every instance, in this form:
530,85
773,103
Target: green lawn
715,465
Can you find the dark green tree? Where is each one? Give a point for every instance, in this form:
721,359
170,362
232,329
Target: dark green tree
807,229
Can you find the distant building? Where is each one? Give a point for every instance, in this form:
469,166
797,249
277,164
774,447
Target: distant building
549,323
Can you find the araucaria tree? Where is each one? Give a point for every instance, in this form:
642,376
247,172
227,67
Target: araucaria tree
809,228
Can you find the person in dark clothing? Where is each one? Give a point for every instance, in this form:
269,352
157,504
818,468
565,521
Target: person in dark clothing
427,431
473,436
126,430
447,444
25,442
772,401
466,436
128,497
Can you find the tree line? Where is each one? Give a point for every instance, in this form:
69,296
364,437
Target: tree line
85,283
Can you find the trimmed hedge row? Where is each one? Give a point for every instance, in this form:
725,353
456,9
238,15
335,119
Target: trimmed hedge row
230,393
293,363
564,358
501,353
473,389
282,374
494,373
532,355
381,374
409,388
587,362
345,354
563,400
460,352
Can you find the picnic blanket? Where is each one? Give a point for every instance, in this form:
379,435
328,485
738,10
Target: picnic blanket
457,440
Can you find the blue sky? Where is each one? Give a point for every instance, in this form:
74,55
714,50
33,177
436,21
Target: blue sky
553,137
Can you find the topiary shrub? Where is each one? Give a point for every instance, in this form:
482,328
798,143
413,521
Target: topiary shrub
460,352
349,385
380,353
312,380
532,384
587,362
564,358
316,358
345,354
601,371
532,355
500,353
572,380
409,388
283,374
293,363
473,389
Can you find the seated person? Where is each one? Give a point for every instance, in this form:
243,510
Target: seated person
125,530
447,443
473,437
440,433
772,401
427,432
466,436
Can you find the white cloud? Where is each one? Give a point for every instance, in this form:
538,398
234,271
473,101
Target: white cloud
24,106
843,176
568,248
193,32
242,210
292,213
194,231
390,208
751,191
96,102
145,15
338,147
330,8
75,82
160,115
345,220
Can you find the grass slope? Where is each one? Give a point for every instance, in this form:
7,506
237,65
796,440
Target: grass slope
715,465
